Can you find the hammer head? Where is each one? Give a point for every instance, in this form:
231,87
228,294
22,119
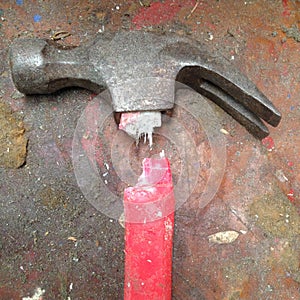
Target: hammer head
140,70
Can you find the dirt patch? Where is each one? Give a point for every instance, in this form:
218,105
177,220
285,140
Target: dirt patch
13,143
53,198
276,215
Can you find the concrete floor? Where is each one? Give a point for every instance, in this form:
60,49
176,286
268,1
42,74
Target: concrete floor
53,239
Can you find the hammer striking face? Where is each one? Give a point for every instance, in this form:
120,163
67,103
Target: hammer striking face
144,67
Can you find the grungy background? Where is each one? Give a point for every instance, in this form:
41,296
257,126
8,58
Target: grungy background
52,239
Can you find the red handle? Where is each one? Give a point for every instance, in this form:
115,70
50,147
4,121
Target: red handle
149,216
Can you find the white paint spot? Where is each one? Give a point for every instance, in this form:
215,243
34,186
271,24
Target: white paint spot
159,214
38,293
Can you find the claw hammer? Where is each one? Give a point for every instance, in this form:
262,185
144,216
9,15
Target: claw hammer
126,58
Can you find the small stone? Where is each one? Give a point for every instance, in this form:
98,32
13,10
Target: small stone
223,237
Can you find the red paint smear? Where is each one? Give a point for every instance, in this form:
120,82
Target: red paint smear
91,142
92,96
9,293
291,196
272,50
209,25
290,163
92,148
33,276
285,71
30,257
127,119
159,12
286,11
268,142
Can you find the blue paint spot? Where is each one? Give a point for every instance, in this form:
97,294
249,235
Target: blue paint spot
19,2
292,107
37,18
289,96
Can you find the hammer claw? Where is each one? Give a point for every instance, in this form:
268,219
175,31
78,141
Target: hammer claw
245,117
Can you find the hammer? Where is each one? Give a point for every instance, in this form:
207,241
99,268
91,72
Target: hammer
121,62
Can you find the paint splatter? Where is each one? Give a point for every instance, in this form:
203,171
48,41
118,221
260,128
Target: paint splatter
37,18
158,13
291,196
38,295
286,11
19,2
268,142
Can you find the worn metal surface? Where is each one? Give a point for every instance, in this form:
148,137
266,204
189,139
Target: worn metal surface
121,63
52,238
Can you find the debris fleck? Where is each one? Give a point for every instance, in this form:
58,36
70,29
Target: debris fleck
210,36
193,10
122,220
224,131
60,35
72,238
280,175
